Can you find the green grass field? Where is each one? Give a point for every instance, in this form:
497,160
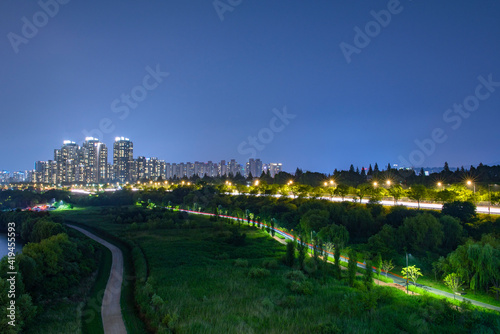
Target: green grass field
200,282
101,225
91,316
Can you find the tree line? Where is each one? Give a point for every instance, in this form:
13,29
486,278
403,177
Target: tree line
51,265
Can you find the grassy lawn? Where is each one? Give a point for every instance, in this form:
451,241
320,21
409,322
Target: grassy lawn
60,317
202,281
479,296
91,319
428,280
91,219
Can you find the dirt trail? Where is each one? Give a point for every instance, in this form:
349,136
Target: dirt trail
111,313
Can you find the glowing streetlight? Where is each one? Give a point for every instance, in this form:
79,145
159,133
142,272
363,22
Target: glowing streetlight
469,183
375,184
388,182
326,184
256,182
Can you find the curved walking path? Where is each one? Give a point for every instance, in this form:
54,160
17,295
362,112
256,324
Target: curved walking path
111,313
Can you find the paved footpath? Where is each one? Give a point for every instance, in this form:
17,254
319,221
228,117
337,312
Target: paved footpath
111,313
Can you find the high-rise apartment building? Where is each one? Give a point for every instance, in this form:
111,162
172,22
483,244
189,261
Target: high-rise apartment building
95,160
275,168
123,154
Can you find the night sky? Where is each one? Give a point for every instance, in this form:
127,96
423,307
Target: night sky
295,76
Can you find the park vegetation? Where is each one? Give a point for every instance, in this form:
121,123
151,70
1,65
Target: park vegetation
50,269
214,275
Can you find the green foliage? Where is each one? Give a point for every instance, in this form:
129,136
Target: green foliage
194,287
412,273
302,248
422,233
453,281
241,263
387,266
465,211
270,264
290,253
258,272
368,274
476,262
352,267
417,192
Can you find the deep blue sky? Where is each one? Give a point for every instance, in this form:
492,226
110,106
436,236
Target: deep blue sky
226,77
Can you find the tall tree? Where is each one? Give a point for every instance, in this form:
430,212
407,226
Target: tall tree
412,273
417,193
290,253
453,281
352,266
396,191
387,266
446,168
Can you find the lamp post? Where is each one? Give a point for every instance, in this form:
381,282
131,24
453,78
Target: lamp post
469,182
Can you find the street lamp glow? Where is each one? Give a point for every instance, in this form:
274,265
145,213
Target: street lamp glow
469,182
257,182
326,183
375,184
331,182
439,184
388,182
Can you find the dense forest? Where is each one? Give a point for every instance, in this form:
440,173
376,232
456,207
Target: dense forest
51,266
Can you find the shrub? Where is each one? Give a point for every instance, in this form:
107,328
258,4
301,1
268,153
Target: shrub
241,263
222,256
303,288
270,264
295,275
258,273
310,266
327,328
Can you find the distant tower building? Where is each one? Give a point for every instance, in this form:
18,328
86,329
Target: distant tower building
153,168
133,170
168,171
141,168
67,161
95,160
232,167
123,154
222,168
275,168
254,167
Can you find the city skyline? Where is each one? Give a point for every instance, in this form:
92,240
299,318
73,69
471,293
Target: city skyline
88,163
317,86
